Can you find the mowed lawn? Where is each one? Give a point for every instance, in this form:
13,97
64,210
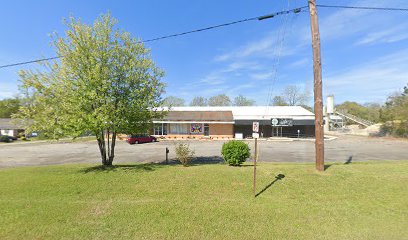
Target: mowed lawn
205,201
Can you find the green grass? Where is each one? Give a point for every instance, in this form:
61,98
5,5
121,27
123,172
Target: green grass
208,201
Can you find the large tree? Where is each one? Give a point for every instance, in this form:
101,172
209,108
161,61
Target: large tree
219,100
199,101
105,83
243,101
173,101
294,96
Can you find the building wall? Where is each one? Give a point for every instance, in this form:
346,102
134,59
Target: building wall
222,130
8,132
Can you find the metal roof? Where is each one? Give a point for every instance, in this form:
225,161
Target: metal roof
199,116
253,112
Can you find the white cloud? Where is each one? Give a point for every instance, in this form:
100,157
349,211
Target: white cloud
370,81
390,35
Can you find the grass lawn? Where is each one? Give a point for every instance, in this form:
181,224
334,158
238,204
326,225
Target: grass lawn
207,201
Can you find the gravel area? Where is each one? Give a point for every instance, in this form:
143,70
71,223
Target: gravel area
341,149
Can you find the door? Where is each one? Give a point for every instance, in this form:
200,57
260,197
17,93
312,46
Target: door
206,129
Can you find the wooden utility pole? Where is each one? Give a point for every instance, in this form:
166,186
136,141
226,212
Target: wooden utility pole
317,72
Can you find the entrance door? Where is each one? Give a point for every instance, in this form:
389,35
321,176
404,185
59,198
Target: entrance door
206,129
276,131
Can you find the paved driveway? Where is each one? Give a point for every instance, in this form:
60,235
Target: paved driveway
338,150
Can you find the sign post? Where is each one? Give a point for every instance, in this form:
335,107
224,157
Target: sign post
255,134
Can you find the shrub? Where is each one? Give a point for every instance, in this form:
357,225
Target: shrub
184,154
235,152
4,138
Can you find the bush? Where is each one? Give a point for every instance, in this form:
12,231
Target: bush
4,138
184,154
235,152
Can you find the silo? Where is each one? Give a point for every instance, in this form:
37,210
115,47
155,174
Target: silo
330,104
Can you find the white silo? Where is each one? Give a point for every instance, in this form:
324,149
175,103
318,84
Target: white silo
330,104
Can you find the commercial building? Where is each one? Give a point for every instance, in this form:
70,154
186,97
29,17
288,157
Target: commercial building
235,122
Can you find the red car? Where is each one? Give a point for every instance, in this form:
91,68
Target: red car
140,138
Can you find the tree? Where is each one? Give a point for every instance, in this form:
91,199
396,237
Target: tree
172,101
369,111
243,101
294,96
8,107
279,101
199,101
394,114
219,100
105,83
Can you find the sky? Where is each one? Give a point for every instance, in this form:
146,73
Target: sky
364,52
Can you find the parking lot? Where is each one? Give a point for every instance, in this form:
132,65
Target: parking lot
338,150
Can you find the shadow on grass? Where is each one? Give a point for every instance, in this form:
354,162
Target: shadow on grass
349,160
124,167
277,178
152,166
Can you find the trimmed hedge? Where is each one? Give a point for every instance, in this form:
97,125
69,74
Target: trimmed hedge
235,152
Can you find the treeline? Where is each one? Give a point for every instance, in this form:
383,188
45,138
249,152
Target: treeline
393,114
217,100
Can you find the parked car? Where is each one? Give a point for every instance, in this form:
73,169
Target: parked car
140,138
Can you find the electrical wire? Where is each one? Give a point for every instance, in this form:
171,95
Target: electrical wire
259,18
363,8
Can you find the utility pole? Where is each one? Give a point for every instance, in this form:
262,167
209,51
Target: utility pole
317,73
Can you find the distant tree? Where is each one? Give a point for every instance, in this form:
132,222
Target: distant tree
243,101
294,96
394,114
9,106
173,101
279,101
219,100
369,111
199,101
105,84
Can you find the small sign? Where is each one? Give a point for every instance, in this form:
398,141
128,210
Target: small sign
255,135
255,127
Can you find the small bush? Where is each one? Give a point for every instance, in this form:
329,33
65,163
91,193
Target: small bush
235,152
4,138
184,154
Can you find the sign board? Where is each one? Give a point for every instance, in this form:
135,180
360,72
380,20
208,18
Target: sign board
255,135
282,122
255,126
196,128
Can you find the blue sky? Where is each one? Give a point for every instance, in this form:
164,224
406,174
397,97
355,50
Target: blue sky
364,53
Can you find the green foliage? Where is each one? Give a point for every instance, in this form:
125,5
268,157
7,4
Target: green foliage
395,115
279,101
8,107
368,111
184,154
235,152
243,101
106,84
4,138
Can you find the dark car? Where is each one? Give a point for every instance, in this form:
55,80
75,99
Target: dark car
140,138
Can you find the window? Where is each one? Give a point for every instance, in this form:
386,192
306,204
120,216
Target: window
179,128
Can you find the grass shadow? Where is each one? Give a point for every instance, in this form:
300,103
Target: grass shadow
198,161
349,160
277,178
123,167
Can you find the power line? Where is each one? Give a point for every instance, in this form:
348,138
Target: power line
364,8
259,18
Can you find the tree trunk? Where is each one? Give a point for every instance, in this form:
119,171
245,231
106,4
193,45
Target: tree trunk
102,148
111,153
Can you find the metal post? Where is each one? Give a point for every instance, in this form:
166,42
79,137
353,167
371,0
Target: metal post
255,158
167,155
317,72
